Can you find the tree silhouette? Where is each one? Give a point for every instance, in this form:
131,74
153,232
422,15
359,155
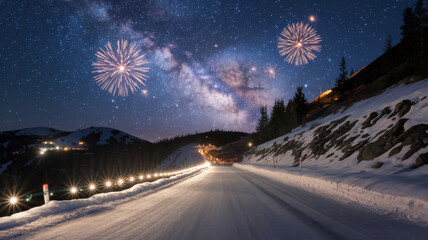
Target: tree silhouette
263,121
388,44
410,23
340,81
277,117
301,104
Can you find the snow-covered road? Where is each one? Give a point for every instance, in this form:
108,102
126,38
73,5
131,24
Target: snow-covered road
228,203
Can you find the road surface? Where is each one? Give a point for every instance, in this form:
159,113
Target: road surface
228,203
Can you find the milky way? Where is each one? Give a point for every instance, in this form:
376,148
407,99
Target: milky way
207,60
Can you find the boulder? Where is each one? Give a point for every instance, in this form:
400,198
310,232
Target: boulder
385,142
421,160
402,108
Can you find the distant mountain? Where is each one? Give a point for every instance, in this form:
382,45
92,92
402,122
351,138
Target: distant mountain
97,136
89,136
37,131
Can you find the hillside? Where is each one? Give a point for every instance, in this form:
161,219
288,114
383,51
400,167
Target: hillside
184,157
377,148
388,132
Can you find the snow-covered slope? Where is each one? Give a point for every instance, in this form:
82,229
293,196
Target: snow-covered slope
385,134
183,157
97,135
374,152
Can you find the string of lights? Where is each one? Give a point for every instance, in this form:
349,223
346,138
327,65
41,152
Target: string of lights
107,185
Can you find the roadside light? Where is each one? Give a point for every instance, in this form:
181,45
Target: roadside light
120,182
250,144
131,179
156,174
149,176
141,177
73,190
108,184
92,187
13,200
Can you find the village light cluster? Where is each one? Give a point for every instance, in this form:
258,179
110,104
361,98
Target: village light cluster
121,181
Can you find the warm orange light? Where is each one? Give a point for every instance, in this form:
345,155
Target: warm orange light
120,182
299,44
73,190
108,184
312,18
121,68
81,143
13,200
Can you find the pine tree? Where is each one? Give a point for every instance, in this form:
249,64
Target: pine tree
340,81
421,9
301,105
352,72
420,12
388,44
410,23
291,118
277,117
263,121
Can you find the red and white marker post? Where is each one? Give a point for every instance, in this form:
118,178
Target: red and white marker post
46,193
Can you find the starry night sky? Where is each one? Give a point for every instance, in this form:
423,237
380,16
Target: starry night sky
200,57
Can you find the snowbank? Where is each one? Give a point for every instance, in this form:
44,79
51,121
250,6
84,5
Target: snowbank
56,212
399,197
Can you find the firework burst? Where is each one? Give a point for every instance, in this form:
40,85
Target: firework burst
120,70
298,42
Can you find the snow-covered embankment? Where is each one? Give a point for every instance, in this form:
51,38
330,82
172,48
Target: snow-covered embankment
374,153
